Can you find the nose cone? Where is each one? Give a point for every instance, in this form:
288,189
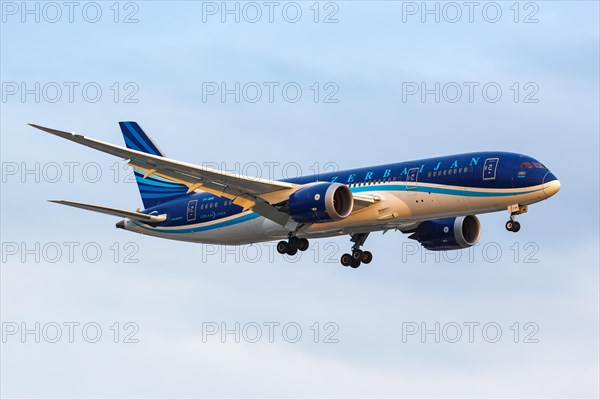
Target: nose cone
551,184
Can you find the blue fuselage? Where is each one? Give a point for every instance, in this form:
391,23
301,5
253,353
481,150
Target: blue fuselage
455,175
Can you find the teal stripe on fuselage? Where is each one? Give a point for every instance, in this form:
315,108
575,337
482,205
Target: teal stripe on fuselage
233,221
438,190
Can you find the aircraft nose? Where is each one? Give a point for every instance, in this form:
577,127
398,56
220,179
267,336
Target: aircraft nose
551,184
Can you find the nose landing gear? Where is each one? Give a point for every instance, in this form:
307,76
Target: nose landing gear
513,226
357,256
514,210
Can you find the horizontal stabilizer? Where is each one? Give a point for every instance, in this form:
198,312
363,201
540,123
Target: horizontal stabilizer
114,211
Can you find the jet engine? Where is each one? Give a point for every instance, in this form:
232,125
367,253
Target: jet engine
321,202
448,233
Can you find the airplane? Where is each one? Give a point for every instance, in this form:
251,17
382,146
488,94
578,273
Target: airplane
435,200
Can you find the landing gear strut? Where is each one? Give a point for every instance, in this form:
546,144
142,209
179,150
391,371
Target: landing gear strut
357,255
292,246
514,210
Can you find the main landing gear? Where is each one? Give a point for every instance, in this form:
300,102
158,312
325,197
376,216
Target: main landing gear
292,246
357,256
514,210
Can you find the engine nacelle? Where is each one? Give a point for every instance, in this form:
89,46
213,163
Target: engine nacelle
321,202
448,233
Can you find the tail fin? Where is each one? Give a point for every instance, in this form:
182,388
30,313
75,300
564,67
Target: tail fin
154,189
136,139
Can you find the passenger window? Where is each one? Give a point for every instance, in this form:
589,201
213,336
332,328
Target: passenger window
455,170
429,174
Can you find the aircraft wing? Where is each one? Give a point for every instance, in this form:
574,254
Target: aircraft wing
244,191
248,192
113,211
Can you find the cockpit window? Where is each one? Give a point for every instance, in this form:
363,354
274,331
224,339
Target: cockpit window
526,165
534,164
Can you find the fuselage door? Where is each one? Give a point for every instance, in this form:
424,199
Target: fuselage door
191,210
411,178
489,169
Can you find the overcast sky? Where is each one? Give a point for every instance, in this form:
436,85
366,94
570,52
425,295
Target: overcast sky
293,88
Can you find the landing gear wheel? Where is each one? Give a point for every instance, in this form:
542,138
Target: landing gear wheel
357,256
346,259
292,251
294,241
367,257
513,226
303,244
283,247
